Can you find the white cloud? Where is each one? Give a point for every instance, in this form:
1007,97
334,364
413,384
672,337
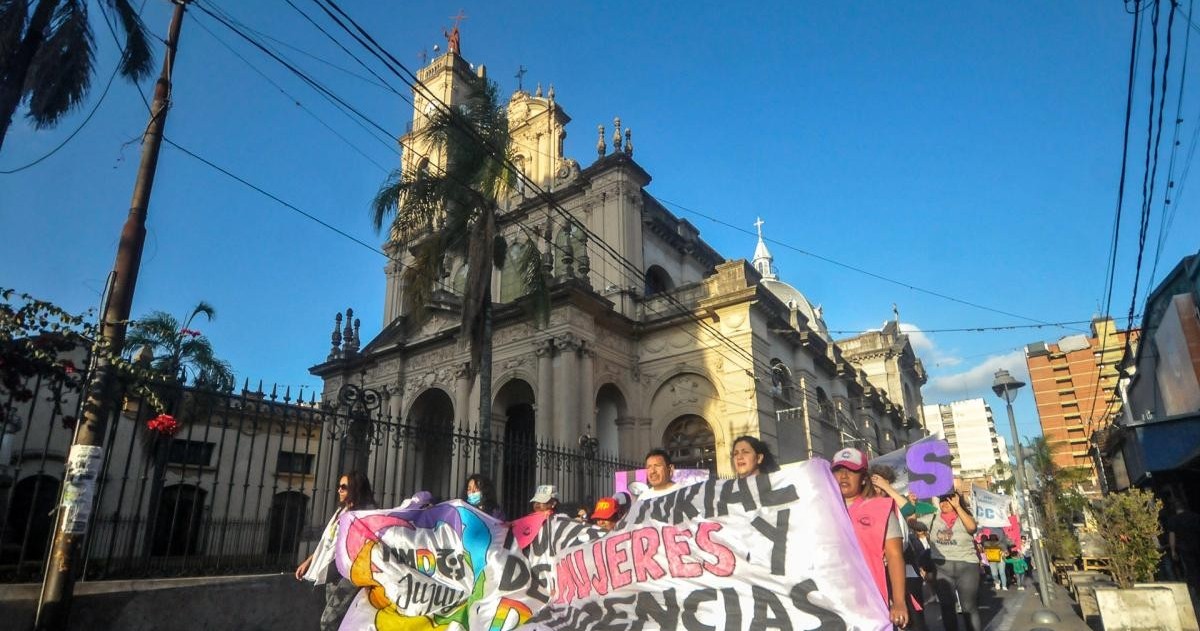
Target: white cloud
926,348
977,380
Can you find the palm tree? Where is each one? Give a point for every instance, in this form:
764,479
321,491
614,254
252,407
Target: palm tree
1056,494
180,351
451,211
47,56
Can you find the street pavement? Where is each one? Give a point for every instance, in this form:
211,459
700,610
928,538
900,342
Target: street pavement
1012,610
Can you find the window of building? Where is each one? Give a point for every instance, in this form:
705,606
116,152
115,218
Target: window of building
292,462
658,281
191,452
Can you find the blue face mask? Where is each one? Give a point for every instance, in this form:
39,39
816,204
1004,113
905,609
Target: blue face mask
474,498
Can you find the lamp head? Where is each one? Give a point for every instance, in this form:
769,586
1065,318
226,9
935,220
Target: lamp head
1005,386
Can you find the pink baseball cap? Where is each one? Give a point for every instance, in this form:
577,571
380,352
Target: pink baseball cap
849,458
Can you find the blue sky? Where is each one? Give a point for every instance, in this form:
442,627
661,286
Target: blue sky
971,149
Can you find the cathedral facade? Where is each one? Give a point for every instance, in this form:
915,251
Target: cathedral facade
654,339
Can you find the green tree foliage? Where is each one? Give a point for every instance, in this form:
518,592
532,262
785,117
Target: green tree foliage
179,351
47,56
39,354
451,212
1057,497
1129,530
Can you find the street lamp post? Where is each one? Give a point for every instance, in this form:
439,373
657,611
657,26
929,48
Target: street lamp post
1005,387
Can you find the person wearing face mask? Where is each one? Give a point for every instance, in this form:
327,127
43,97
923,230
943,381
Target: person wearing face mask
752,456
482,495
952,548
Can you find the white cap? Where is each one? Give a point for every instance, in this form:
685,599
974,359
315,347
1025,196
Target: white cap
545,493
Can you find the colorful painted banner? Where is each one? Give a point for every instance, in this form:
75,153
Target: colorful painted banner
991,509
773,551
922,467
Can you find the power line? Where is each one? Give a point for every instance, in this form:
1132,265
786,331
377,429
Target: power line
973,329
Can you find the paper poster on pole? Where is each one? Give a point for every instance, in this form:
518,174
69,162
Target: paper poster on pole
79,487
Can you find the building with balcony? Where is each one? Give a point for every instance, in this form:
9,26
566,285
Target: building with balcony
1074,384
970,430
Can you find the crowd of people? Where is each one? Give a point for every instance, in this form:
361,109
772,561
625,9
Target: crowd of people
912,546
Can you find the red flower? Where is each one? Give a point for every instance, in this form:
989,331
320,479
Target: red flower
164,424
68,366
190,332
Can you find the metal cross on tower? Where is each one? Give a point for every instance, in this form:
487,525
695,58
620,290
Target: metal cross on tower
521,70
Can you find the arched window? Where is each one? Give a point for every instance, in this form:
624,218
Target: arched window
178,521
781,380
30,518
287,520
824,406
658,281
690,441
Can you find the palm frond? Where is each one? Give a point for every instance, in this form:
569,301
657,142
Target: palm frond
420,277
137,62
204,309
61,71
536,283
13,16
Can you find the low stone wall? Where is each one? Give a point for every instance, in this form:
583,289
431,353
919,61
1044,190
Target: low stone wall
266,602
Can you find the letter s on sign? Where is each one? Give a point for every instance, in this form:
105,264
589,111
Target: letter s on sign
929,471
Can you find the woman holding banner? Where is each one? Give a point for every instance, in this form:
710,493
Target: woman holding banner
751,456
952,548
354,493
877,529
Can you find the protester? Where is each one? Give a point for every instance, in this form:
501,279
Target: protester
659,472
876,528
581,515
481,494
752,456
607,513
993,551
918,569
957,564
545,499
1016,562
354,493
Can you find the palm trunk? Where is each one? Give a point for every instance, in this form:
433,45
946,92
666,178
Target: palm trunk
12,83
485,387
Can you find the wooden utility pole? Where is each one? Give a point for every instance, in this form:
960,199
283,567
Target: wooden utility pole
87,452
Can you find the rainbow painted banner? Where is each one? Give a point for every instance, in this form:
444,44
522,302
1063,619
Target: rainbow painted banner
772,551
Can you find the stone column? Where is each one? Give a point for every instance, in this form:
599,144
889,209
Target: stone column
462,395
566,400
543,414
587,391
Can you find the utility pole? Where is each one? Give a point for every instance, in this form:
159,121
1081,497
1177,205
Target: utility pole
83,462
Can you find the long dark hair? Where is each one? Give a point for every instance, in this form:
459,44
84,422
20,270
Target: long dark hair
768,464
359,494
488,504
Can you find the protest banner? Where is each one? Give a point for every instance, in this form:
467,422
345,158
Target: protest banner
923,467
769,552
681,477
992,509
772,551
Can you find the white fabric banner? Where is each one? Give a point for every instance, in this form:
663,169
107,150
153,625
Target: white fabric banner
992,509
773,551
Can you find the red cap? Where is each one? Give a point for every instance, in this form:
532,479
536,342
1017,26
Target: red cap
850,458
606,508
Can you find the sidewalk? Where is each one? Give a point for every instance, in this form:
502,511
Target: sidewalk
1020,607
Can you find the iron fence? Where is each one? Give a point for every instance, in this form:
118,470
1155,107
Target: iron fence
248,480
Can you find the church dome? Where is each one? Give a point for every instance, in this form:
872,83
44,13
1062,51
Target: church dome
792,297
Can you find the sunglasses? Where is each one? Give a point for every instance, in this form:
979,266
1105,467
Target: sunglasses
343,487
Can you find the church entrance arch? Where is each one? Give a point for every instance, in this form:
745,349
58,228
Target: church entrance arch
518,453
691,442
432,418
610,409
